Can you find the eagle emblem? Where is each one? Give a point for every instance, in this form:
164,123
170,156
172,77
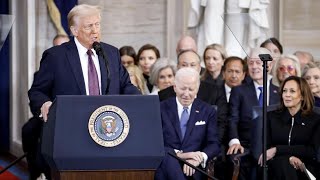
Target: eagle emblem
109,126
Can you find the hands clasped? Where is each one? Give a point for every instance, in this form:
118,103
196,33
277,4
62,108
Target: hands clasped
194,158
270,154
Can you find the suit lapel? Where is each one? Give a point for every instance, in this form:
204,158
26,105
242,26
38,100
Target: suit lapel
193,118
175,120
104,75
273,94
74,60
253,94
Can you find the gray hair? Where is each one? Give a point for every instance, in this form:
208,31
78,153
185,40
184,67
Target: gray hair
82,10
296,65
309,66
187,72
158,66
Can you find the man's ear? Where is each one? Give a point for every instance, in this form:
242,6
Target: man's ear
74,31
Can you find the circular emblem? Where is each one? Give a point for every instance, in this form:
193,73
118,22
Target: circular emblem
108,126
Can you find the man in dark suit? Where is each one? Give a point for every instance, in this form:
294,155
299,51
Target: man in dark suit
64,69
208,92
74,68
242,99
189,128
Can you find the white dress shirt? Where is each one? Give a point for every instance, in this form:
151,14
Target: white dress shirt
180,110
228,91
84,64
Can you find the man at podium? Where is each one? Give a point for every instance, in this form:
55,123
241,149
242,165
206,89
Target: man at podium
189,128
76,67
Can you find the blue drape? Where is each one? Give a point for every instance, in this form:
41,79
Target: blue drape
64,8
4,86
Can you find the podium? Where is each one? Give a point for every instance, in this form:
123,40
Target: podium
72,153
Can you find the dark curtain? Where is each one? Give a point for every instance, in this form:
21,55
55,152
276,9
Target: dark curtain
64,8
4,86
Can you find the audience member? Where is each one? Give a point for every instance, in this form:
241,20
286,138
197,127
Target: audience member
274,46
60,39
68,69
162,74
311,73
186,43
127,55
292,133
210,93
287,65
242,99
304,58
234,71
146,57
136,77
214,56
189,129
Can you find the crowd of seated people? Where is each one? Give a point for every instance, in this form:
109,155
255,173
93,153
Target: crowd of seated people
234,85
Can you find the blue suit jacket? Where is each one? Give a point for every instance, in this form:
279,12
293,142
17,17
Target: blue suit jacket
60,73
241,101
197,138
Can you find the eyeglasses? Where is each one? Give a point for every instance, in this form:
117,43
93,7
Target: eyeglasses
288,68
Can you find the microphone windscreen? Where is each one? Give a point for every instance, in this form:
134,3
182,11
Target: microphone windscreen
97,47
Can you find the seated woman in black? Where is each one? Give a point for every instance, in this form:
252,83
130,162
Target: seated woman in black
292,132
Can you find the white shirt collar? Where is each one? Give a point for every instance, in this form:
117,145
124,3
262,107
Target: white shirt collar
228,91
81,49
180,108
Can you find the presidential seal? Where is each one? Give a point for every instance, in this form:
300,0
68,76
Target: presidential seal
108,126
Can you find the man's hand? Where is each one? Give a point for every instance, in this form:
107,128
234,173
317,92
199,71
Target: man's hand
270,154
235,148
197,156
296,163
45,110
189,171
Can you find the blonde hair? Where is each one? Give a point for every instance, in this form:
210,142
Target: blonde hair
137,73
222,52
296,64
80,11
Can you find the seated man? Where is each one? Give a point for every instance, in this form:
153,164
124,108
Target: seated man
189,128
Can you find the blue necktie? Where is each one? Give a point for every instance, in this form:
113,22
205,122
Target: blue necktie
261,96
93,80
184,120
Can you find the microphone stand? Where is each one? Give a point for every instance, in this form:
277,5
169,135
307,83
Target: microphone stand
264,58
108,71
97,47
194,167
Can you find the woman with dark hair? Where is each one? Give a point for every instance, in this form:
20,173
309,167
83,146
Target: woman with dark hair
292,132
214,56
127,55
274,46
146,57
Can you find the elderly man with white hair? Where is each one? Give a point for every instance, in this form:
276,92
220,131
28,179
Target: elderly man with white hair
189,128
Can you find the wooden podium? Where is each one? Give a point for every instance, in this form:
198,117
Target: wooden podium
114,175
72,154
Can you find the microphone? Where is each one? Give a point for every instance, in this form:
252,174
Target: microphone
97,47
